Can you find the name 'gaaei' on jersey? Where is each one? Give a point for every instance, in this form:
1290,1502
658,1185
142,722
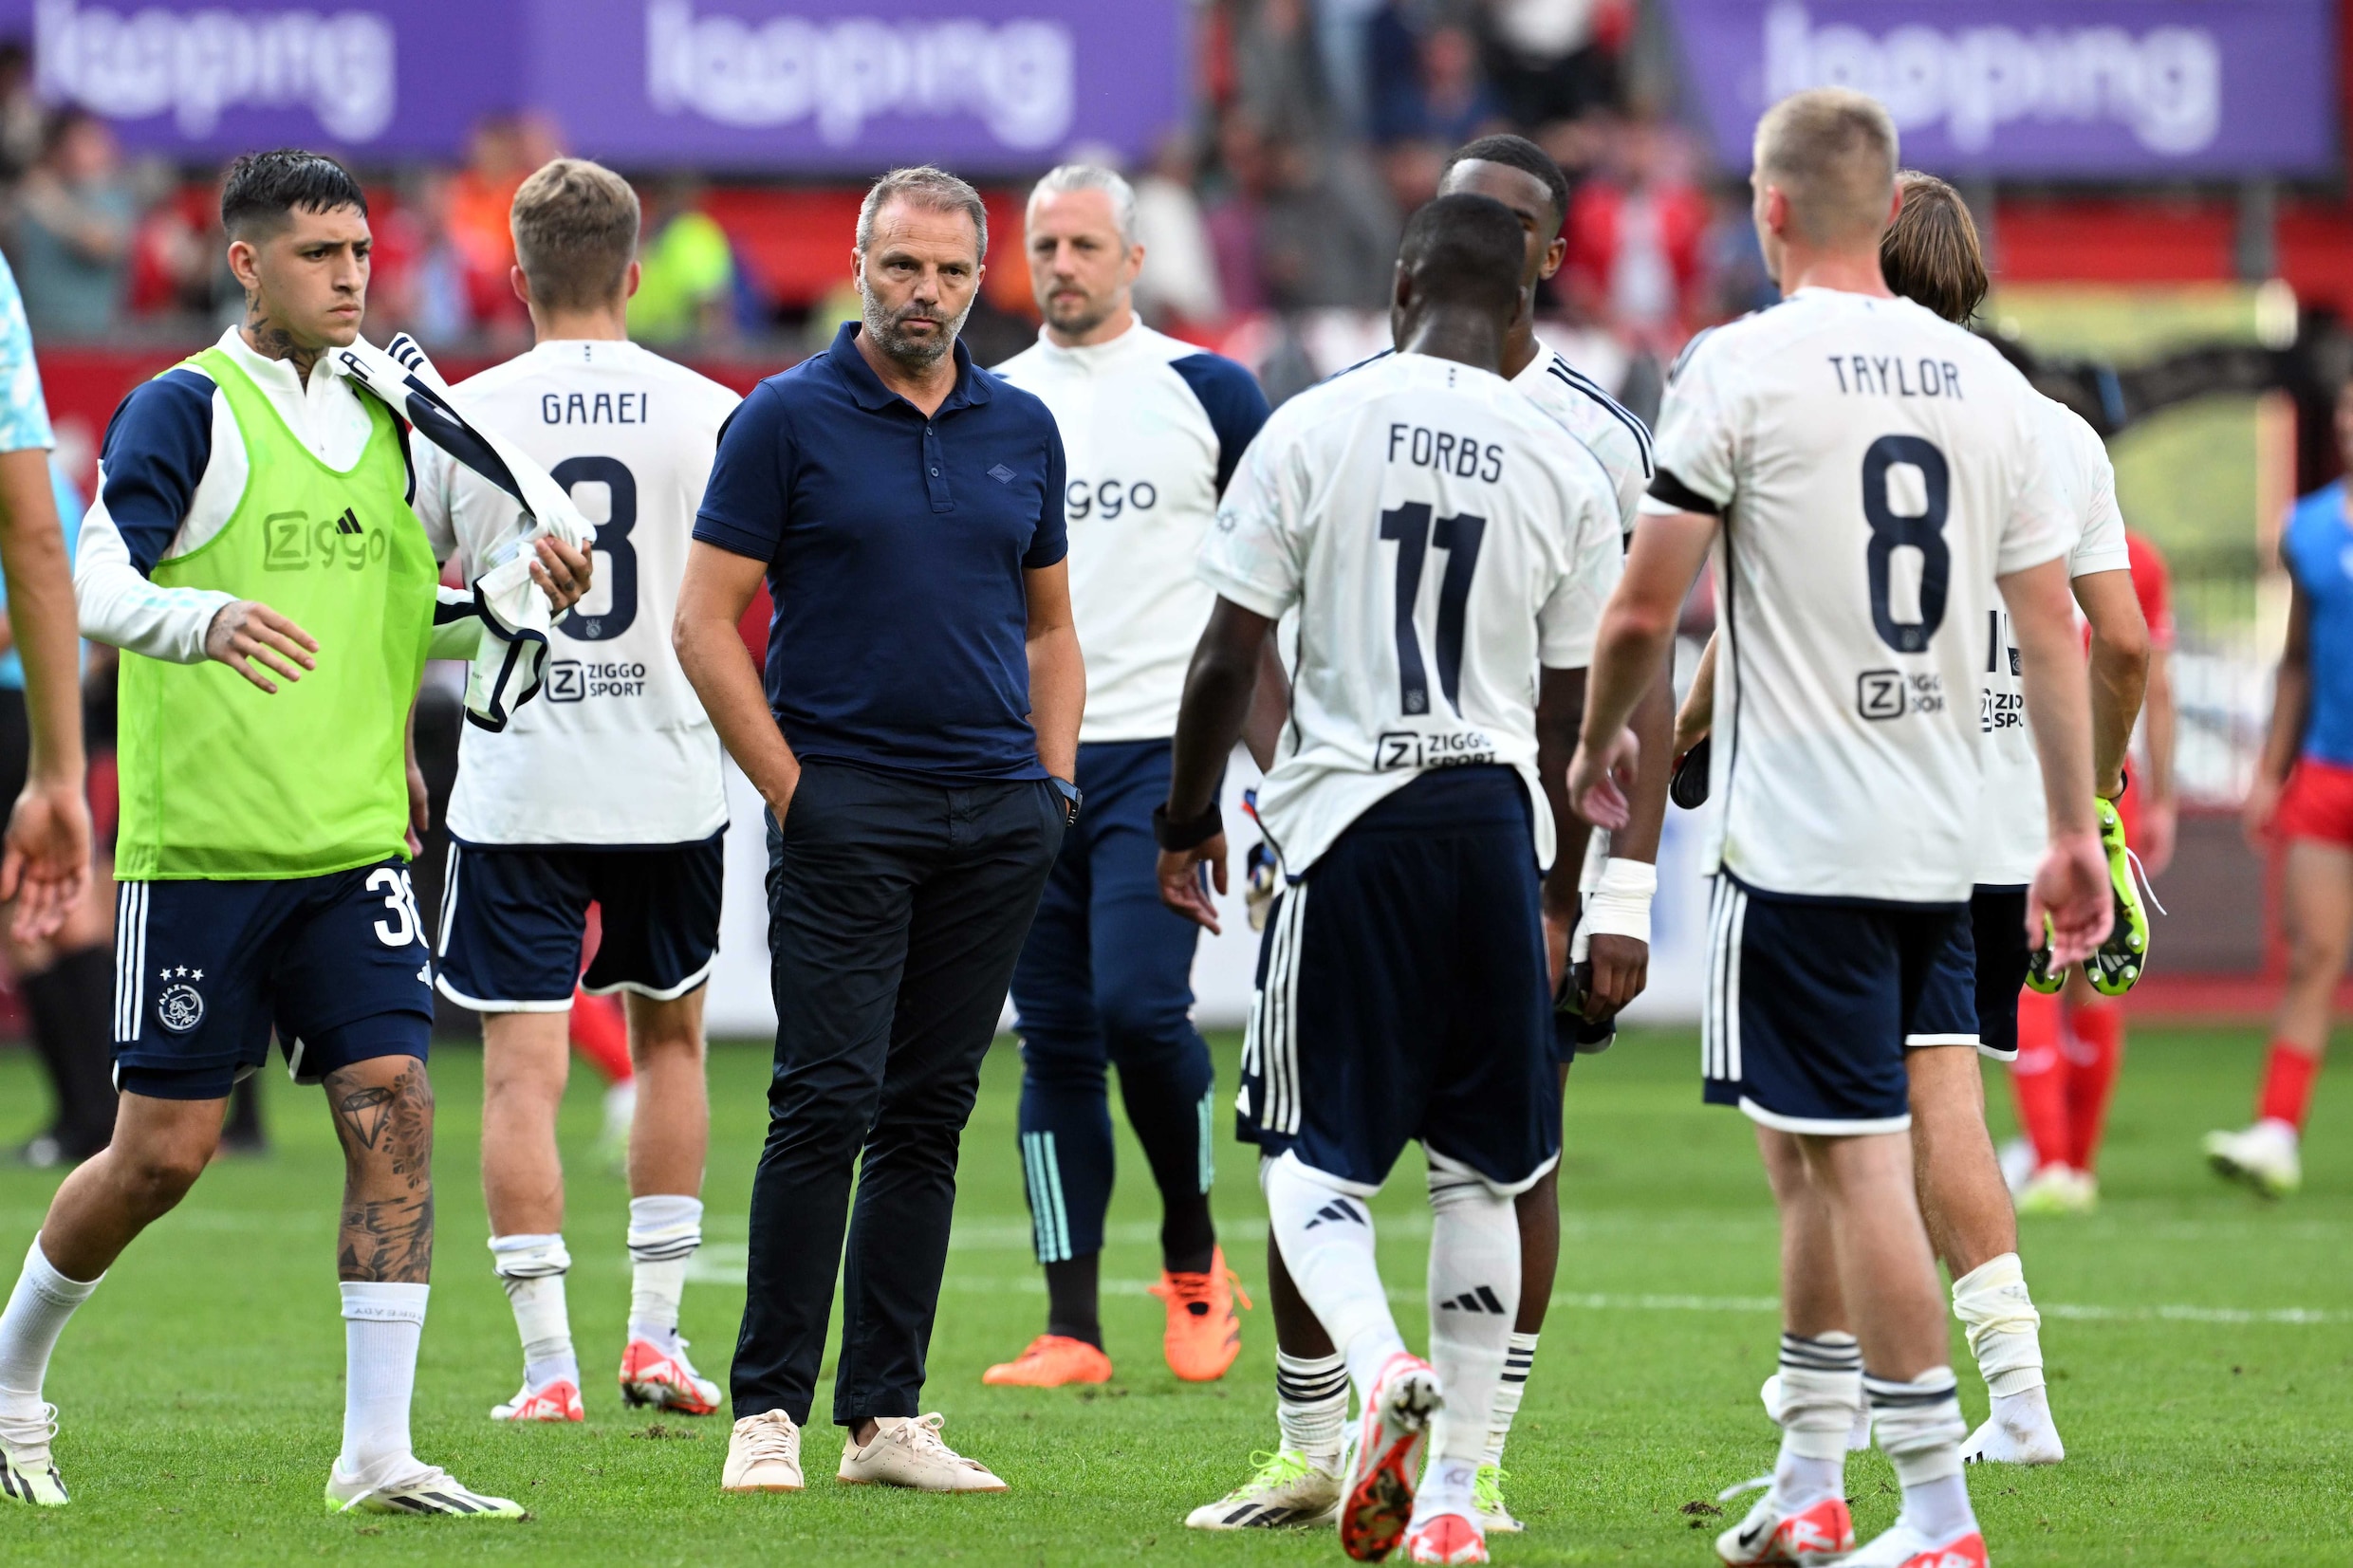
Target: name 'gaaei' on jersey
1876,468
1441,543
2016,827
616,749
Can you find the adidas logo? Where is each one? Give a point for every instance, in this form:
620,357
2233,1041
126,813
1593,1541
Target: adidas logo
348,523
1337,1211
1481,1300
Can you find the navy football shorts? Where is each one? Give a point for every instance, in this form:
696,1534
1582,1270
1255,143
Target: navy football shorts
1401,995
513,918
1811,1004
1997,919
204,972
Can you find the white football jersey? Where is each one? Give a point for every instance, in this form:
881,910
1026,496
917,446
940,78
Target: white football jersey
1152,428
1440,542
2017,828
617,748
1593,417
1876,468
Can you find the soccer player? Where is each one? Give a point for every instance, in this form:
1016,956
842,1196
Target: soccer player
2072,1045
266,812
2303,797
636,825
1299,1481
1445,551
1931,255
1871,472
1151,429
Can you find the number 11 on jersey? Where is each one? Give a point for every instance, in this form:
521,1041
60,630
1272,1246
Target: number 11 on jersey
1410,528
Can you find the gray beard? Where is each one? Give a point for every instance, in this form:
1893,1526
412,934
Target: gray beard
902,349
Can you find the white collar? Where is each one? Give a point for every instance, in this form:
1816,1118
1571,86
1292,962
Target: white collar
274,374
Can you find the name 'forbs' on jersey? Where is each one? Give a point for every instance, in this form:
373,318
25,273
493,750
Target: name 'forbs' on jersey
1464,456
1869,506
1441,538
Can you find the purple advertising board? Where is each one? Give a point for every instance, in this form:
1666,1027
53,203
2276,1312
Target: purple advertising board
777,85
2037,88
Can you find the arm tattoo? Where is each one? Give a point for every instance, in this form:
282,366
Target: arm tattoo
388,1136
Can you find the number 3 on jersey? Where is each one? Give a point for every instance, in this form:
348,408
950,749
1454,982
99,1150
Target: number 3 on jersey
612,543
1409,530
1923,531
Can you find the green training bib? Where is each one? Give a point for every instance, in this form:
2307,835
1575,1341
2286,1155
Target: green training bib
223,780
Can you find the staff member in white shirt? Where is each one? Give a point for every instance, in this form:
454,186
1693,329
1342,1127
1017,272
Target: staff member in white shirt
1152,428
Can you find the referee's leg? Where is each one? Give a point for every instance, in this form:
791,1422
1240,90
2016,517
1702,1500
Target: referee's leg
969,918
841,875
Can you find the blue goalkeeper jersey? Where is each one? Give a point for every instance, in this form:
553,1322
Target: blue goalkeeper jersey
2317,549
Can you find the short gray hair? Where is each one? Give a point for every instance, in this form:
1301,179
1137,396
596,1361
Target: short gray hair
1093,176
925,186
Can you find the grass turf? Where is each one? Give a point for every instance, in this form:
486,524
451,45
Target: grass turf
2207,1423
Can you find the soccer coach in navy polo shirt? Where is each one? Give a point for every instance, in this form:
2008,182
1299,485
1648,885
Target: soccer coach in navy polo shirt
915,743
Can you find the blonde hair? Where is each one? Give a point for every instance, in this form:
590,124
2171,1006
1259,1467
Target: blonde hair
1931,253
575,226
1831,151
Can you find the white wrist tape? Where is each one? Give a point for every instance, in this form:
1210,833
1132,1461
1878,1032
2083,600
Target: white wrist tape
1619,905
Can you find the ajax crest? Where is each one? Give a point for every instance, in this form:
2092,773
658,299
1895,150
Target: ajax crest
179,1009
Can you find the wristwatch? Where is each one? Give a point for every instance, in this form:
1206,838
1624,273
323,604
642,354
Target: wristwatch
1072,798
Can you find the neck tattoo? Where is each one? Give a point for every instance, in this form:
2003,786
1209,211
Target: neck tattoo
273,341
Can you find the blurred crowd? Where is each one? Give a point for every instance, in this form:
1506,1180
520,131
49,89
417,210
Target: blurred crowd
1272,217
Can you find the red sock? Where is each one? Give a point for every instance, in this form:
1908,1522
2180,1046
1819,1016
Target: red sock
2038,1079
601,1033
2288,1085
2091,1077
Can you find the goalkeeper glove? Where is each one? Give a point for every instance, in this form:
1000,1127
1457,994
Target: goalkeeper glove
1260,878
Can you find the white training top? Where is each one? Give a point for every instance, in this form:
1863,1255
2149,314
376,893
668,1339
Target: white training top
1440,542
1593,417
2016,827
617,750
1152,428
1876,468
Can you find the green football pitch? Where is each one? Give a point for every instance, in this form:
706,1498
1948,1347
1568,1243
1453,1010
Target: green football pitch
2200,1347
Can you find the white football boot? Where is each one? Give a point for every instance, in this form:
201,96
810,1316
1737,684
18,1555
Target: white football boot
1901,1546
413,1486
1286,1491
28,1473
2264,1156
2019,1432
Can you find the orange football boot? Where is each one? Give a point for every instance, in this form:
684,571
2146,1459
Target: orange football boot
556,1401
665,1380
1052,1361
1204,1335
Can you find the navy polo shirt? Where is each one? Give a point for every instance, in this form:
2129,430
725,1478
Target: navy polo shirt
895,547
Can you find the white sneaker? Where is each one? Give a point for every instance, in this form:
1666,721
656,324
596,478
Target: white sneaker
2263,1156
906,1450
1901,1546
2019,1432
2017,1161
763,1455
413,1486
2059,1189
28,1473
1288,1489
1857,1438
1487,1493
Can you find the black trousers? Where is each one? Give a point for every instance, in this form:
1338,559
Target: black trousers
896,907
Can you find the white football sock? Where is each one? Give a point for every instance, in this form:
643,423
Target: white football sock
1517,1364
1311,1404
1474,1292
1919,1428
664,1230
1327,1239
532,1269
36,1314
2002,1326
382,1324
1821,1392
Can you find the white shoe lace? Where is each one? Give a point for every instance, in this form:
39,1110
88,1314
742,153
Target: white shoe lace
424,1477
2141,873
777,1439
921,1438
1758,1485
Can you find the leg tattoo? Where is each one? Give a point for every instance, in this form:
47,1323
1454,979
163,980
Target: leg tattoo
388,1136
